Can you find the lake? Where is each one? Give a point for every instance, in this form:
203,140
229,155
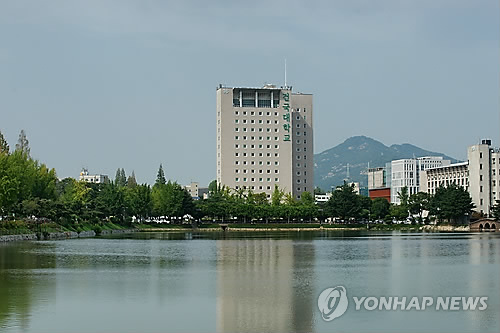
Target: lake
245,282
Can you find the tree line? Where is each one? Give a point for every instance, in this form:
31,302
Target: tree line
29,188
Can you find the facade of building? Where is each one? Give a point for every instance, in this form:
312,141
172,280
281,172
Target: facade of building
322,197
479,176
406,173
380,193
96,179
484,175
265,138
378,186
457,173
196,191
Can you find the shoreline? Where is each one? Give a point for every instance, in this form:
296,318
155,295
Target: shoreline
256,228
61,235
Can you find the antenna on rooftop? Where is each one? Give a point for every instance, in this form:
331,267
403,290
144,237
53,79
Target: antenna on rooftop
285,74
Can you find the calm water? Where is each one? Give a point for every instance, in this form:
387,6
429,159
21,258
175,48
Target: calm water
253,282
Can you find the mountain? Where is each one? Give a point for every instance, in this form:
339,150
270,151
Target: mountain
330,166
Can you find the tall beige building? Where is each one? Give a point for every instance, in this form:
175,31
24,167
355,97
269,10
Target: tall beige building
265,138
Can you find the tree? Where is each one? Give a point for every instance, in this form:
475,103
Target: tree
403,196
277,196
344,202
160,177
419,202
496,210
212,187
318,191
22,144
380,208
306,198
4,146
120,178
131,181
451,203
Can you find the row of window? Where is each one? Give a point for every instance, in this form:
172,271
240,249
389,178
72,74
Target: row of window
253,171
252,129
261,113
253,179
268,121
276,171
244,146
252,138
237,154
252,121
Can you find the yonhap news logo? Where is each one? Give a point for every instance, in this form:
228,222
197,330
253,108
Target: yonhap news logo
333,303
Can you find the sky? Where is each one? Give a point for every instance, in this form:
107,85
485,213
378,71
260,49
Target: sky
107,84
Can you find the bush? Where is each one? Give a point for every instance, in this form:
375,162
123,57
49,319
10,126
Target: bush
97,229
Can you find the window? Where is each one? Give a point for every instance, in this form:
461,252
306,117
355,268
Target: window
480,178
236,137
237,179
480,166
236,121
237,171
481,155
237,154
244,121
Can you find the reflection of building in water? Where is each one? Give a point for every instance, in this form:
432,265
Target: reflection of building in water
262,286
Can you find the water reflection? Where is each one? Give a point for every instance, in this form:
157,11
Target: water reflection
265,286
244,282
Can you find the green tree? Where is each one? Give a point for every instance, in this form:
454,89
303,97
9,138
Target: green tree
4,146
160,177
318,191
344,202
22,144
212,187
496,210
131,181
380,208
452,203
403,196
419,202
277,196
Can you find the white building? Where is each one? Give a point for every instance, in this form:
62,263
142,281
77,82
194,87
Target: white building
480,176
197,192
484,175
265,138
406,173
457,173
96,179
322,197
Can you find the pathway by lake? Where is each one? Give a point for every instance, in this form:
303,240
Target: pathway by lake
245,282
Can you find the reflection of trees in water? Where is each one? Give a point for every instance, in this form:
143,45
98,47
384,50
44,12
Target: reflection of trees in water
265,285
18,288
